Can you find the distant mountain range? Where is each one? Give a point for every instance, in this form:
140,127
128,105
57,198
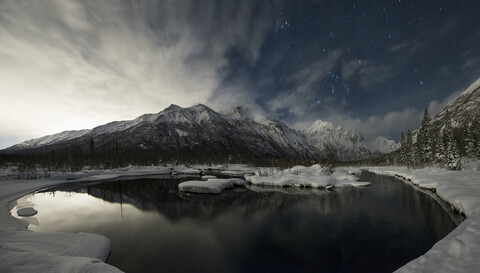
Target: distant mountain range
200,131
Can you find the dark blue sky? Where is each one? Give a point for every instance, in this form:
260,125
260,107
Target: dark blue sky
358,59
372,66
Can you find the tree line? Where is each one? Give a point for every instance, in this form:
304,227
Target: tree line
444,146
116,155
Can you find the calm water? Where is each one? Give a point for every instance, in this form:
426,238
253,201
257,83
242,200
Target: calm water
153,227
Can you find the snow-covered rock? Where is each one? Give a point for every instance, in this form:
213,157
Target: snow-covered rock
206,177
213,185
300,176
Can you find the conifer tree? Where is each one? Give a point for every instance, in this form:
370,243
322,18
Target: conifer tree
475,135
409,151
402,149
452,156
470,149
425,139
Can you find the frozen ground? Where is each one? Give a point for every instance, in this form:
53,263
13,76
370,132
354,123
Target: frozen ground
22,250
459,251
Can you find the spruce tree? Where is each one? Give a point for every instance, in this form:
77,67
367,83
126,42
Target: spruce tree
452,156
470,149
475,134
402,149
409,151
425,139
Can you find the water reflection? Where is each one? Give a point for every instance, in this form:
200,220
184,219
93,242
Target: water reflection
153,227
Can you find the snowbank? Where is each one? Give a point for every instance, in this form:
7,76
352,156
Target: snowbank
315,176
459,250
206,177
22,250
212,185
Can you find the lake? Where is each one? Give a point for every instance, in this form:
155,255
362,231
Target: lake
154,227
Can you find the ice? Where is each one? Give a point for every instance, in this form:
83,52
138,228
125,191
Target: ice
459,251
26,212
213,185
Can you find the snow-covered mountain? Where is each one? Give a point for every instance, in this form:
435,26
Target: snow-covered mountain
199,130
462,110
333,139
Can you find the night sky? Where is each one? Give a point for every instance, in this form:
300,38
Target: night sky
372,66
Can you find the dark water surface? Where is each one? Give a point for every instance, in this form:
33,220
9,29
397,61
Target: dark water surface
155,228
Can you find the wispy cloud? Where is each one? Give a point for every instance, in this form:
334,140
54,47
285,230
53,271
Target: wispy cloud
99,61
299,99
369,73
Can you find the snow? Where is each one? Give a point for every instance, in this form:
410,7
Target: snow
459,250
181,133
213,185
206,177
315,176
46,140
22,250
342,143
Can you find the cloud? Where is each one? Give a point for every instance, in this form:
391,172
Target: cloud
369,73
435,106
300,98
389,125
78,64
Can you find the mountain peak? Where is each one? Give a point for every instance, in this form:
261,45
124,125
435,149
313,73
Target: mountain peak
172,107
320,125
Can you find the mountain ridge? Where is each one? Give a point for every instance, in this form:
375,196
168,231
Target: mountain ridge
191,129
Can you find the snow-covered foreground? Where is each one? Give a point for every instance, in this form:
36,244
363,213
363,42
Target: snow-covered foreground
459,251
22,250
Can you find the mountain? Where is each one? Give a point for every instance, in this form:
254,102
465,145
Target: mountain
462,110
199,132
195,130
344,144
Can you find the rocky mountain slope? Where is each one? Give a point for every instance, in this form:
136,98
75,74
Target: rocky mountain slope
200,131
462,110
343,144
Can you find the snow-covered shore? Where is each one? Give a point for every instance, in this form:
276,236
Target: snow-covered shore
459,251
22,250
